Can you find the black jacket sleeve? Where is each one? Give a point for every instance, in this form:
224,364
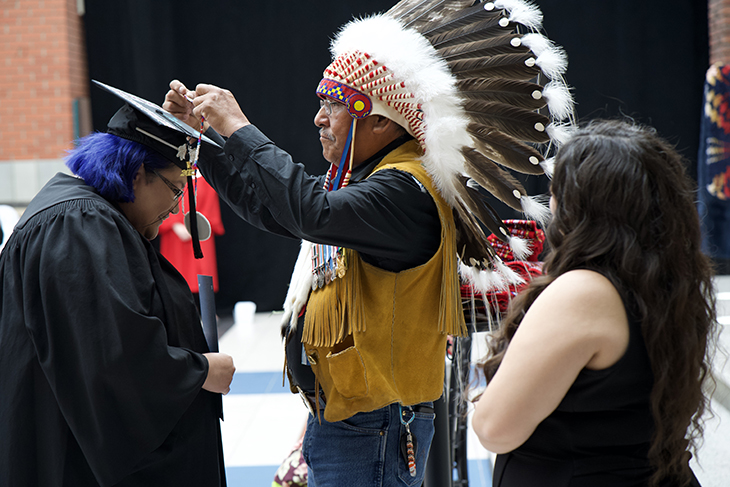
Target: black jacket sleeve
389,218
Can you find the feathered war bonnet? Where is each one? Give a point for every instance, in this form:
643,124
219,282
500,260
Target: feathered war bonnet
480,89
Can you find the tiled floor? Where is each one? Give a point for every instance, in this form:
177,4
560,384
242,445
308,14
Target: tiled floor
263,419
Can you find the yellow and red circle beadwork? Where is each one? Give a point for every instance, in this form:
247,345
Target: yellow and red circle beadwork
358,104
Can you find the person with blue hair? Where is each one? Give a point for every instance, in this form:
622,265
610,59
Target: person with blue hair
105,375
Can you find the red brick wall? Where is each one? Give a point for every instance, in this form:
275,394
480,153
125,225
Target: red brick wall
719,25
42,70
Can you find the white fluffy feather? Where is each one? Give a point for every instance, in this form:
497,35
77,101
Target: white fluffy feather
550,57
537,43
560,133
520,247
510,276
553,63
487,281
535,210
547,166
299,286
523,12
559,100
483,281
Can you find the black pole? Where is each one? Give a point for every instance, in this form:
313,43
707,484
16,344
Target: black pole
438,467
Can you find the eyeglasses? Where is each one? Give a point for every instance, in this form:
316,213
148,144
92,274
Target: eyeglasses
177,191
328,105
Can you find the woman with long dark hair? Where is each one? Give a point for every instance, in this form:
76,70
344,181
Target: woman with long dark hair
596,375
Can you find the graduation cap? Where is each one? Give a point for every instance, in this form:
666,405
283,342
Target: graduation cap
148,124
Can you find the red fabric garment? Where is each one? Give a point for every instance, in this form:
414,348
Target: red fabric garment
498,301
524,229
180,253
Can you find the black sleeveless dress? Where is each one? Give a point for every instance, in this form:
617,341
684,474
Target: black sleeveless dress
598,436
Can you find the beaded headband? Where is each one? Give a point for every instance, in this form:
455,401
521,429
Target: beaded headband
358,104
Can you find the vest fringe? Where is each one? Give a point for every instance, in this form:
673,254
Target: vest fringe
356,306
451,317
339,317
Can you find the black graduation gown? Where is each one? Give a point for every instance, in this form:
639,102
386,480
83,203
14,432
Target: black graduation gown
101,362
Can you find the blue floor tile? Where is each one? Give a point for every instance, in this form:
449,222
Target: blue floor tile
259,476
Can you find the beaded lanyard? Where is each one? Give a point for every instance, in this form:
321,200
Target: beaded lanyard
410,454
192,168
329,262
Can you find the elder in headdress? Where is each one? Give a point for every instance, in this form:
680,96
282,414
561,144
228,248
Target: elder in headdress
419,109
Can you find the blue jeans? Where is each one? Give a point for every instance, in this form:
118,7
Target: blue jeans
364,450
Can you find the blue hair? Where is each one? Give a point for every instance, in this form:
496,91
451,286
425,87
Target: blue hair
109,164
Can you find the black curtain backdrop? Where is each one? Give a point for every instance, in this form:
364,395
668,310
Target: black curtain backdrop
642,59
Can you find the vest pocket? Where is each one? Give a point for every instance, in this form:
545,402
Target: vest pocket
347,370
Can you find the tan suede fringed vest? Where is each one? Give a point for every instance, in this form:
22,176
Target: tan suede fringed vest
376,337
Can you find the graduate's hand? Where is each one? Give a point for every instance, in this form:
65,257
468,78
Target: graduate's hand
178,101
220,373
220,109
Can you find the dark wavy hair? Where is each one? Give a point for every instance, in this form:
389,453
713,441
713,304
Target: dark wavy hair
109,163
626,208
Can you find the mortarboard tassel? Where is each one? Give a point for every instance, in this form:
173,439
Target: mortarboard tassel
194,220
